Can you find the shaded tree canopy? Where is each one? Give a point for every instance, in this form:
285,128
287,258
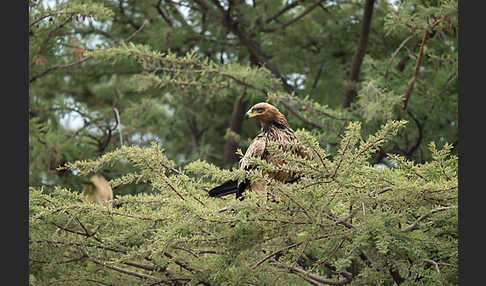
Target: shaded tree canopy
152,95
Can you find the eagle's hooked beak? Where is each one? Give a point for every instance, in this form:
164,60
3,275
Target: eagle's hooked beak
250,114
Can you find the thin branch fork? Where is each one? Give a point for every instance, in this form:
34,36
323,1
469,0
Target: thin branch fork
396,52
86,234
53,15
273,254
285,9
418,62
420,128
414,226
185,266
246,40
82,60
302,14
294,111
138,217
312,276
126,271
53,68
416,73
344,221
162,13
430,261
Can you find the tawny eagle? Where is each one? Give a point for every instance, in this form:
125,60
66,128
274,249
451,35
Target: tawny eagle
274,127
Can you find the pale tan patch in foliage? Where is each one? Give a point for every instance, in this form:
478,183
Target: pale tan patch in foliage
100,192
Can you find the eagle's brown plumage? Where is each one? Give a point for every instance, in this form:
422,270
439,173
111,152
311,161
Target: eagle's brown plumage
274,128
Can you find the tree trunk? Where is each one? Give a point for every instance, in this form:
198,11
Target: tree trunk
351,93
239,109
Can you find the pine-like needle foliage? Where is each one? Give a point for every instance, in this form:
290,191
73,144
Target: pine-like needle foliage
345,221
157,90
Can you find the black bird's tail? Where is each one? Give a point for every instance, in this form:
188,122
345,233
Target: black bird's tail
228,188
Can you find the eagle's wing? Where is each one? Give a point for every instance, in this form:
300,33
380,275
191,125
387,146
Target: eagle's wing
255,150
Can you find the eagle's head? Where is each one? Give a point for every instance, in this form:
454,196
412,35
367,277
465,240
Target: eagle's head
267,113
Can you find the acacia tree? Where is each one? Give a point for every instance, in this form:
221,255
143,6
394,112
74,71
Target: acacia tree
344,222
135,72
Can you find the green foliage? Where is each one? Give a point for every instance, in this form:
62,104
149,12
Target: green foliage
344,217
154,90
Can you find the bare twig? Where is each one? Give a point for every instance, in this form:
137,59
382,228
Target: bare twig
384,190
414,226
312,276
56,14
396,52
285,9
429,261
420,128
344,221
137,31
273,254
291,107
118,124
80,61
162,13
416,72
86,234
126,271
302,14
55,67
82,257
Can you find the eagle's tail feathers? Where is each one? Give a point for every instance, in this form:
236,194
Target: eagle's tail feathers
227,188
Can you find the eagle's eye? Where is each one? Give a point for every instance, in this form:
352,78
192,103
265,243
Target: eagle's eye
258,110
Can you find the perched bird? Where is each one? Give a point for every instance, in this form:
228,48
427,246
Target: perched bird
274,127
99,191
